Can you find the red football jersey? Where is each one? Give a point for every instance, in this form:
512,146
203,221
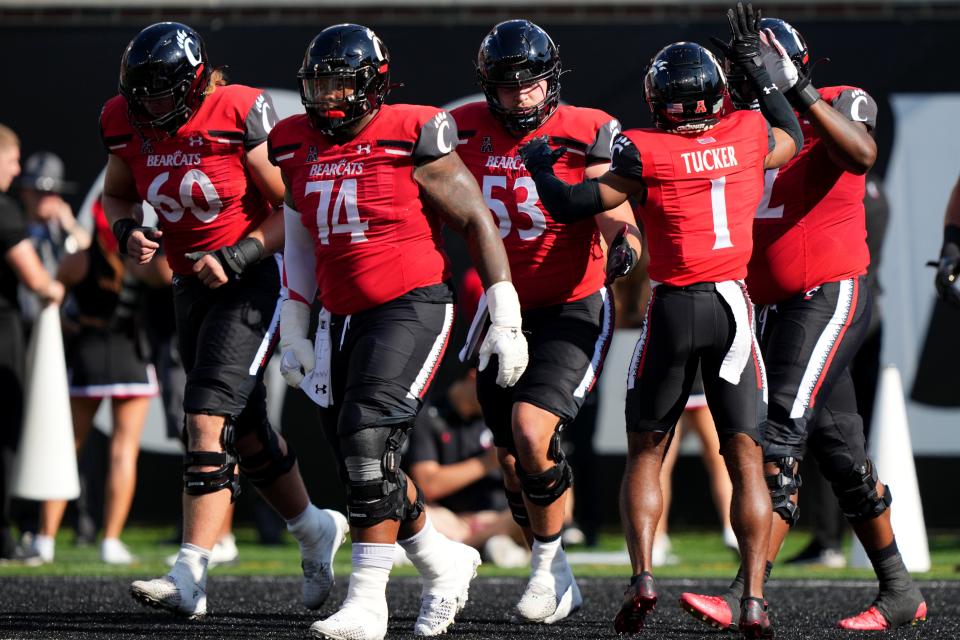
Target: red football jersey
374,237
550,263
197,179
702,192
810,226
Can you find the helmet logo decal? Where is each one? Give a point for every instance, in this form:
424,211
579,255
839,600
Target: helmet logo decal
377,48
660,65
701,107
189,46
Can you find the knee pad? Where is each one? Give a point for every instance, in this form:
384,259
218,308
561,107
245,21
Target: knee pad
858,496
198,483
267,464
376,487
518,508
784,484
546,487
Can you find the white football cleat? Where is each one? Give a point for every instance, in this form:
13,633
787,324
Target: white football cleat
352,622
445,596
552,593
165,593
318,567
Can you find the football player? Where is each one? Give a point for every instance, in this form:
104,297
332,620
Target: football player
698,177
558,270
808,272
193,147
367,187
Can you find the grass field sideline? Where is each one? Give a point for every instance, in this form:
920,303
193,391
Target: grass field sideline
702,555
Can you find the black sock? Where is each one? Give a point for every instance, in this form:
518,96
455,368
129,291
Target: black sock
734,592
899,596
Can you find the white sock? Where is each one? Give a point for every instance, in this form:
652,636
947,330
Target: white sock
307,528
191,565
45,546
371,571
545,555
426,550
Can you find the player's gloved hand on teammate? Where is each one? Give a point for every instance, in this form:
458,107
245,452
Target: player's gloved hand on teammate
226,264
621,257
504,338
947,280
777,62
538,156
296,351
743,50
135,240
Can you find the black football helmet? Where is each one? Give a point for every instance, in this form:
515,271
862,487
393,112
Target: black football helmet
345,75
163,76
516,53
685,87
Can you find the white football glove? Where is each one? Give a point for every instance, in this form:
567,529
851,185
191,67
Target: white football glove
297,357
778,64
504,337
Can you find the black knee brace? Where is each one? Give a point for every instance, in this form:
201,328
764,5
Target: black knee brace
266,465
518,508
372,500
858,496
198,483
546,487
782,486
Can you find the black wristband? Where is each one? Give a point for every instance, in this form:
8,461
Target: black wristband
122,229
803,95
951,242
240,256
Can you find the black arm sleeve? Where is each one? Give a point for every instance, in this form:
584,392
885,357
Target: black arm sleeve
568,203
774,106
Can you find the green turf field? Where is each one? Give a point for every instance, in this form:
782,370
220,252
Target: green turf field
702,555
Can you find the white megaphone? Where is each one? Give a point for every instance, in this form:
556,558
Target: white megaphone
46,464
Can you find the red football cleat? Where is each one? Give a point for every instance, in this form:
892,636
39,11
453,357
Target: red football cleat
713,610
639,599
873,620
754,621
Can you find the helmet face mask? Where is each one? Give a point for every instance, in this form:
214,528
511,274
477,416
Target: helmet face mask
345,76
516,55
164,74
684,87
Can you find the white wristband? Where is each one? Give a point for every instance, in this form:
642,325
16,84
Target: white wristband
504,305
294,322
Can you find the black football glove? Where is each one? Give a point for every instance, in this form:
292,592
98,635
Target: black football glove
743,50
538,157
235,259
947,280
621,257
125,227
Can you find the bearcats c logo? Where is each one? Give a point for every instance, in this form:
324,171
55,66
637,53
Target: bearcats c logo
189,46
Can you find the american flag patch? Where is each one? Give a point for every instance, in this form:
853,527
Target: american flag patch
675,107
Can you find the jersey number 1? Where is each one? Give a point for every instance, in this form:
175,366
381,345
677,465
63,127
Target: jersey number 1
346,203
718,202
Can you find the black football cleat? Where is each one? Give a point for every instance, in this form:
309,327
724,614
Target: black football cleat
639,599
754,621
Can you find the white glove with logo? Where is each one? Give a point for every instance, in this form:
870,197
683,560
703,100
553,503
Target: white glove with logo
297,358
778,64
504,337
